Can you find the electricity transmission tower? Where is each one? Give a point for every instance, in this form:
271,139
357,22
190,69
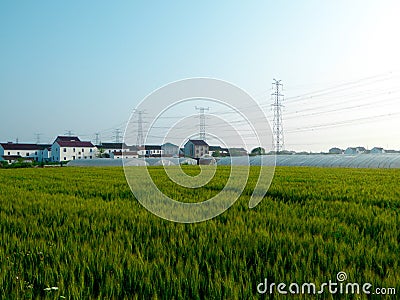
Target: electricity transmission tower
117,135
37,135
97,138
139,138
277,130
202,121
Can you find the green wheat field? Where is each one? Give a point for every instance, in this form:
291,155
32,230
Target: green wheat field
79,233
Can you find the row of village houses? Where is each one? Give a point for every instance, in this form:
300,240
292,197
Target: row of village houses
66,148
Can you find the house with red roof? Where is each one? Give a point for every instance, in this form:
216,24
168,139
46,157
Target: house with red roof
66,148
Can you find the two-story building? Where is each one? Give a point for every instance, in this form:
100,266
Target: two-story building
196,148
11,152
67,148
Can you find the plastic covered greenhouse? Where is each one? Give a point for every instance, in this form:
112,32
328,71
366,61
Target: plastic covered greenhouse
344,161
107,162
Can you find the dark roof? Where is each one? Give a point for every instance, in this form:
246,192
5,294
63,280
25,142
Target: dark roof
152,147
112,145
62,138
215,148
169,145
75,144
13,146
198,142
238,149
8,157
44,146
125,153
392,151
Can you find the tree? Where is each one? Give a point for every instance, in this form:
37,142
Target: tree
258,151
216,153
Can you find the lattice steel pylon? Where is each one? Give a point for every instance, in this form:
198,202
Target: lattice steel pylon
277,129
139,138
202,121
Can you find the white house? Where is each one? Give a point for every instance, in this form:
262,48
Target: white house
113,147
13,151
67,148
170,150
141,151
153,150
196,148
377,150
123,154
355,150
335,150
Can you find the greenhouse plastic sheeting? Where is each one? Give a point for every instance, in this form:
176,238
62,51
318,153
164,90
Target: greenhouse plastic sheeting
108,162
344,161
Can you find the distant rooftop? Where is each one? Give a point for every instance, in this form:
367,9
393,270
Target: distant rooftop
198,142
14,146
67,138
75,144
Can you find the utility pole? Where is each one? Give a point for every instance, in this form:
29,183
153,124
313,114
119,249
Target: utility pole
117,135
202,121
139,138
277,107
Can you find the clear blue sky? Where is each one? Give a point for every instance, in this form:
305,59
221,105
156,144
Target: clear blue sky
84,65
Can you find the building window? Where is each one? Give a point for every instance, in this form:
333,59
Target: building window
90,157
73,149
73,157
36,153
85,157
17,153
91,150
27,153
65,149
83,150
65,158
8,152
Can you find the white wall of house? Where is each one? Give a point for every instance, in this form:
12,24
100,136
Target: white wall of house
154,152
59,154
126,154
23,153
110,150
142,152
